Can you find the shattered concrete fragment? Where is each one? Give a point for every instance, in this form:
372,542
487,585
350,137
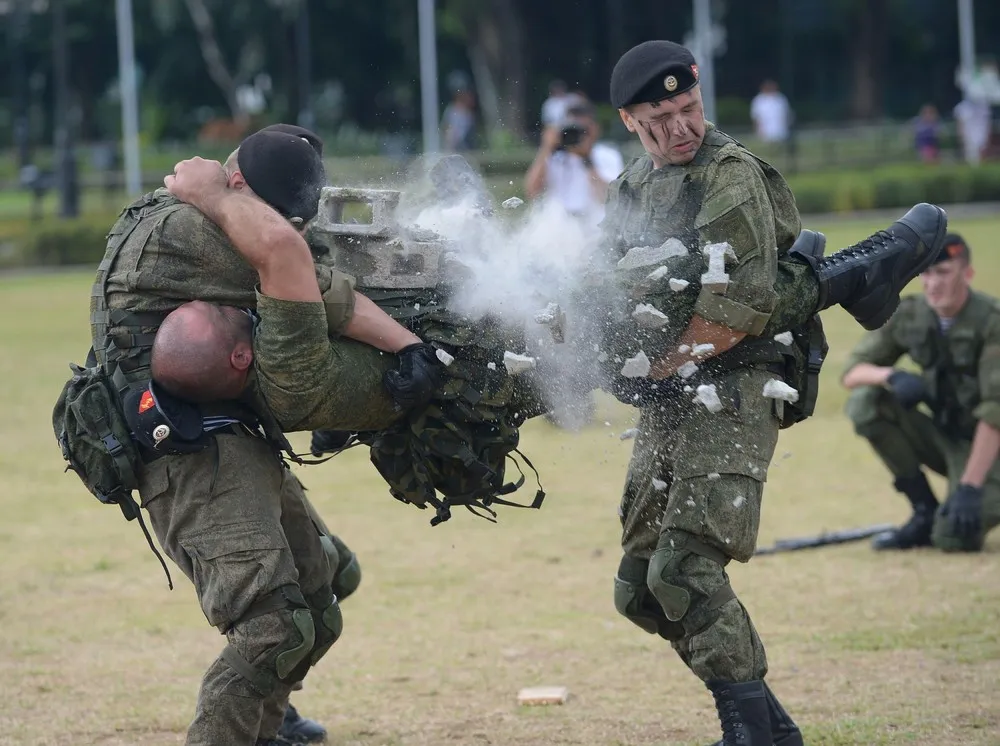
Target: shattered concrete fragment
649,317
512,204
688,369
702,349
784,338
709,397
657,274
515,363
659,485
491,365
644,256
739,501
629,434
637,366
716,279
677,285
775,389
444,357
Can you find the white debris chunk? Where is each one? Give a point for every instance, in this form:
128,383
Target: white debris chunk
684,349
629,434
416,306
444,357
775,389
649,317
688,369
548,314
702,350
677,285
688,389
644,256
739,501
515,363
491,366
716,279
657,274
708,396
690,503
512,204
784,338
715,475
637,366
602,357
659,485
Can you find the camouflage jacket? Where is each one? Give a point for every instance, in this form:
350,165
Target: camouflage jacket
961,367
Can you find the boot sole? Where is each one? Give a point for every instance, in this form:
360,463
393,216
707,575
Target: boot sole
884,314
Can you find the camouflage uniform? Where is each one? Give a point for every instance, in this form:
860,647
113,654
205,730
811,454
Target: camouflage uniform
962,392
693,493
232,517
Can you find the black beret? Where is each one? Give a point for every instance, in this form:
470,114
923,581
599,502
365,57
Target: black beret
954,247
652,71
285,171
293,129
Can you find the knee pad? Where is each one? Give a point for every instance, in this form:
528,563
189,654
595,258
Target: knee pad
634,601
689,582
345,566
288,658
329,624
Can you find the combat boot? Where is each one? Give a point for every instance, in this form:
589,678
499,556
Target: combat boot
296,729
916,532
784,731
743,712
867,278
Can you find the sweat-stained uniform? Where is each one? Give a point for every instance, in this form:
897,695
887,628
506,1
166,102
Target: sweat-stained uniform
961,370
693,493
232,517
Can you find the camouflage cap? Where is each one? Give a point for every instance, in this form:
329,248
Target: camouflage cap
285,171
652,71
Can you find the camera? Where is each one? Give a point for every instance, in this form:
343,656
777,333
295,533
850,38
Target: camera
572,134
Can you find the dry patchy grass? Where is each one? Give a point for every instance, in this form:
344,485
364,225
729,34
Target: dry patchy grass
450,621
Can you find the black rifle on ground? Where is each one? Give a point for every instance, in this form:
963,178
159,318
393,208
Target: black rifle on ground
824,539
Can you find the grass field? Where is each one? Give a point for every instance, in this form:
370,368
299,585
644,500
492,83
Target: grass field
451,621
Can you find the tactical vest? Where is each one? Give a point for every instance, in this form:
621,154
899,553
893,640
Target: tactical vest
644,221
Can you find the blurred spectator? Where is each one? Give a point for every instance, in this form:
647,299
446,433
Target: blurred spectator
927,134
771,113
573,169
973,117
555,106
459,122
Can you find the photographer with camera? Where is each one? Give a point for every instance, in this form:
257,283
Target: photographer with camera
572,169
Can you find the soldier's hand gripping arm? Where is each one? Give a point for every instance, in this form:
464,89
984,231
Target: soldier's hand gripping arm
736,210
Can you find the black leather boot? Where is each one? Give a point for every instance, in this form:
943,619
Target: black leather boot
784,731
743,712
296,729
866,278
916,532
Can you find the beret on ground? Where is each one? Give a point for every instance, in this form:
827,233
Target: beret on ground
285,171
293,129
652,71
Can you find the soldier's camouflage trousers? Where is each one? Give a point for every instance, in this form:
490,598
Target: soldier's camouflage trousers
691,504
907,440
237,523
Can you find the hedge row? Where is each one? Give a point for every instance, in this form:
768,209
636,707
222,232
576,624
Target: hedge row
54,242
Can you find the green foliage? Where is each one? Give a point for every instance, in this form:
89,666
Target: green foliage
53,243
895,186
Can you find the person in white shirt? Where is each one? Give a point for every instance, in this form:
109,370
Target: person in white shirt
974,119
573,169
554,107
771,113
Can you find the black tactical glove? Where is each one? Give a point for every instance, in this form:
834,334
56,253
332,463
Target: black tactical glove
418,375
328,441
643,392
908,388
964,510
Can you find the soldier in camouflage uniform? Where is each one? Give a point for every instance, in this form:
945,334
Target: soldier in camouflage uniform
952,333
692,499
232,516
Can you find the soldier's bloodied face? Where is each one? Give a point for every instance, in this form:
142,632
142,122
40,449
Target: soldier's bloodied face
946,286
671,130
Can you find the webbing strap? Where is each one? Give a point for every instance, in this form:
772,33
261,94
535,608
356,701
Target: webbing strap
722,596
726,593
262,681
280,598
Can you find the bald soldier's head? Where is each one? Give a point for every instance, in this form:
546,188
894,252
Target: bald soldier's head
203,352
